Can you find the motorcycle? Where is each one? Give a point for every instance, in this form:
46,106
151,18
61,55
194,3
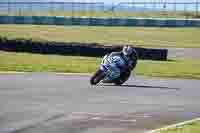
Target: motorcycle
105,70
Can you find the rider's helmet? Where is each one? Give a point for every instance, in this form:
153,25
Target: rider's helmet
130,54
128,51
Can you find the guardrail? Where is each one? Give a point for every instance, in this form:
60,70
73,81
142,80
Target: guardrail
49,20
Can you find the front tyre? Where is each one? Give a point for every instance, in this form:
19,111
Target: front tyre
97,77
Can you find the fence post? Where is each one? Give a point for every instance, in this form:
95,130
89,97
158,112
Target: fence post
175,6
72,10
51,8
31,10
197,8
154,5
8,8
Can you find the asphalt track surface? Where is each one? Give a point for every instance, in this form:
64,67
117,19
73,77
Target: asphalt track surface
54,103
183,53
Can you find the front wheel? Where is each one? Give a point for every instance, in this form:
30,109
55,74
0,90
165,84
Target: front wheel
97,77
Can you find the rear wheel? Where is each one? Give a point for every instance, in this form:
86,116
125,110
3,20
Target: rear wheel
97,77
123,78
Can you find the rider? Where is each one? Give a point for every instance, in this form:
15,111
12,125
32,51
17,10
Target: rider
124,60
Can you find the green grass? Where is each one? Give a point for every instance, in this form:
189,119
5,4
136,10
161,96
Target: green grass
23,62
144,37
189,128
99,14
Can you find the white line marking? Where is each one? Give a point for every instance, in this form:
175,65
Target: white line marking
93,114
107,119
100,116
174,126
146,116
14,72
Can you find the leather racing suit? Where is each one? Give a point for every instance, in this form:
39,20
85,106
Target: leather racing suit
118,63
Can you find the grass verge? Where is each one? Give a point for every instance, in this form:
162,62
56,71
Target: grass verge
193,127
110,14
24,62
142,37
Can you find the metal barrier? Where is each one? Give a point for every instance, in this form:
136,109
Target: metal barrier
51,20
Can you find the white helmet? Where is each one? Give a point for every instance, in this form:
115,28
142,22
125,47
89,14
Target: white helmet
127,50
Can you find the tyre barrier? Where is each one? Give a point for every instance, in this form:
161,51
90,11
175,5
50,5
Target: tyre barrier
60,20
75,49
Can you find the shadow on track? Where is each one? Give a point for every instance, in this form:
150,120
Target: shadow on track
143,86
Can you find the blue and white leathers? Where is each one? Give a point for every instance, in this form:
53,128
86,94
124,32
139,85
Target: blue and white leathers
111,66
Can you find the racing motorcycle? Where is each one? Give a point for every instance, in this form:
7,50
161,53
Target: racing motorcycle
105,70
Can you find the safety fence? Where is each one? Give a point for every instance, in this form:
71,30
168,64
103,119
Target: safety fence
155,9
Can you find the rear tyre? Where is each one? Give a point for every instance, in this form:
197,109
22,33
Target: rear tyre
123,78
